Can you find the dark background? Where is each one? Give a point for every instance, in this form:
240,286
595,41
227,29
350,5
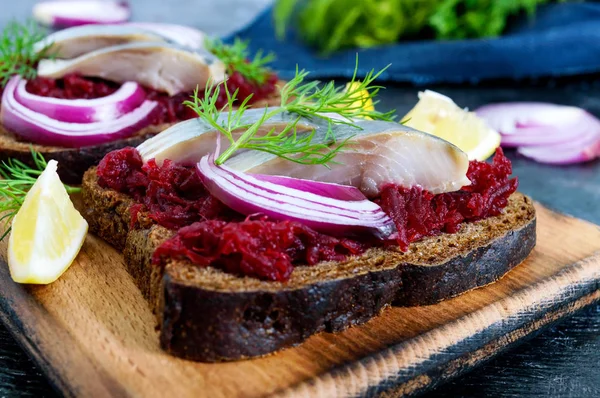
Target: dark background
560,362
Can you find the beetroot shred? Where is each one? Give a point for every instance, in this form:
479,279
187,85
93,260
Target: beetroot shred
170,108
213,234
173,195
245,88
121,170
71,87
418,213
259,248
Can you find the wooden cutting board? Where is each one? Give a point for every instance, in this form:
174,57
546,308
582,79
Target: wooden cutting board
93,334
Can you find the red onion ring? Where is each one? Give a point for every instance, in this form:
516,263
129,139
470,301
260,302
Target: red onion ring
546,133
510,117
127,98
584,147
41,129
67,13
248,195
335,191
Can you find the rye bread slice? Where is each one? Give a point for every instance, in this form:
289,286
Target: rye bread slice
205,314
73,162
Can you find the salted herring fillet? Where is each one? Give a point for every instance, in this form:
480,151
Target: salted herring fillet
379,153
161,66
179,34
187,142
79,40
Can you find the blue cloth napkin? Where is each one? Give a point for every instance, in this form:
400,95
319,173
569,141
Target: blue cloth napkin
562,39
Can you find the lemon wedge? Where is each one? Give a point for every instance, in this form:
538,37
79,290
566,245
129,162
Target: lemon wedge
362,97
438,115
47,232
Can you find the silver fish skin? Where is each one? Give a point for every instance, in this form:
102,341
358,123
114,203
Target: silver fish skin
79,40
164,67
186,36
379,153
187,142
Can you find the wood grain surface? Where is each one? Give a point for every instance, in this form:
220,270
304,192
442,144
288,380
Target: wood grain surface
93,334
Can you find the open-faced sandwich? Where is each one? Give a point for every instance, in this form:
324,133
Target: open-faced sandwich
79,93
249,230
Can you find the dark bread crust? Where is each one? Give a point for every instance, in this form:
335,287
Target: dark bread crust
73,162
208,315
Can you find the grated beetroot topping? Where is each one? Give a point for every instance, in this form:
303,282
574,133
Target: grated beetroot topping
170,109
214,235
173,195
260,248
418,213
246,88
121,170
71,87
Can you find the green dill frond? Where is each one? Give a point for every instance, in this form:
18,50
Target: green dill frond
17,54
237,59
331,103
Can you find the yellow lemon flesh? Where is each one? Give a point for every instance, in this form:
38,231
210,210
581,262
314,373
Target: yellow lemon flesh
47,232
362,97
438,115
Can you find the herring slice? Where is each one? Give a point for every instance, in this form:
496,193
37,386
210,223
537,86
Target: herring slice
379,154
179,34
161,66
80,40
187,142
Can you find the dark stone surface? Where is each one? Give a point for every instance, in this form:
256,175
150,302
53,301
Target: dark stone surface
561,362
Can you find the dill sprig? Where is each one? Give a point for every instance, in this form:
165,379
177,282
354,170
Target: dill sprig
335,105
287,143
17,54
237,59
17,180
313,99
